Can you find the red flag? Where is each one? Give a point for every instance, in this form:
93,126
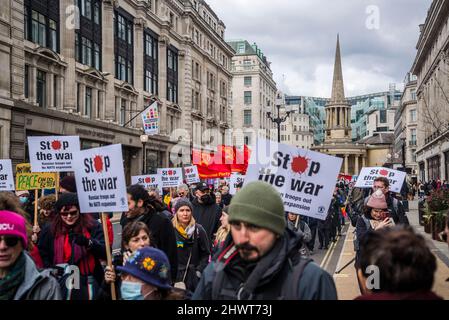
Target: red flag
210,165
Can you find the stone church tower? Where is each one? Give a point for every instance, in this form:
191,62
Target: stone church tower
338,110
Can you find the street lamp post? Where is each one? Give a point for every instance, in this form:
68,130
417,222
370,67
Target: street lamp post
144,140
403,154
278,120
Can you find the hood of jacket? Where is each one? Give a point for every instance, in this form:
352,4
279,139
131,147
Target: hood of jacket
32,277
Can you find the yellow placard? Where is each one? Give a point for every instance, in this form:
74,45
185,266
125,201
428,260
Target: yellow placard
23,168
35,180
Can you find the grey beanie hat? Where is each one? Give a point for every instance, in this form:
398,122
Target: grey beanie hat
181,203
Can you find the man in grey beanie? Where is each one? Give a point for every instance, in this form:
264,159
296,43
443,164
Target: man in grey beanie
260,261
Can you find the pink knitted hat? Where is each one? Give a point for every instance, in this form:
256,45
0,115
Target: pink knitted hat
13,224
377,200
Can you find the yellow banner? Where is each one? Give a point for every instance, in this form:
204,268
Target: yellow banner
23,168
35,180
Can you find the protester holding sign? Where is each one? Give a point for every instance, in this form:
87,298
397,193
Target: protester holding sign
193,246
261,260
19,277
76,239
135,236
140,208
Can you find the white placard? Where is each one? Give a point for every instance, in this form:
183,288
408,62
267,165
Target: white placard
191,174
147,181
6,175
305,179
235,179
100,179
368,174
53,153
170,177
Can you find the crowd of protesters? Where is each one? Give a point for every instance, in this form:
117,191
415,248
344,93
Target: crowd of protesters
201,242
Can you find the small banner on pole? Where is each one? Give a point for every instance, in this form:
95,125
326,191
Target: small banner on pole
150,120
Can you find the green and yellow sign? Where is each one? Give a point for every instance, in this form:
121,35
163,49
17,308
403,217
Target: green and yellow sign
27,180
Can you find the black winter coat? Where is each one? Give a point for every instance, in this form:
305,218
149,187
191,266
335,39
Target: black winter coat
208,216
162,235
98,248
199,247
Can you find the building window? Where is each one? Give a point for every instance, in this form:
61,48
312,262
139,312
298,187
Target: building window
248,97
413,94
413,137
38,28
383,116
41,87
88,103
41,19
88,38
241,48
123,37
413,115
172,75
247,81
86,50
247,117
247,140
151,63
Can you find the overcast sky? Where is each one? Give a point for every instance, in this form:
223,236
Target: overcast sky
299,37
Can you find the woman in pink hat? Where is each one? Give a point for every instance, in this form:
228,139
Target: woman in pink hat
375,217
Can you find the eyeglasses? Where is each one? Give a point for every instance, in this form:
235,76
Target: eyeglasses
377,187
10,241
71,213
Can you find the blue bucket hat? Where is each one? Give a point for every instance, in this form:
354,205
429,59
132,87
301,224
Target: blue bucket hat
149,265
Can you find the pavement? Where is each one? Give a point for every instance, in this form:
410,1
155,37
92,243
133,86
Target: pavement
346,280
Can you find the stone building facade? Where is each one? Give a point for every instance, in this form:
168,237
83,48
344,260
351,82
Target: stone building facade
89,69
431,66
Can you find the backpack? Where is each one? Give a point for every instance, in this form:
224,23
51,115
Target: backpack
355,241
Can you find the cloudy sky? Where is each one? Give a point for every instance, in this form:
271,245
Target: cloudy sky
377,38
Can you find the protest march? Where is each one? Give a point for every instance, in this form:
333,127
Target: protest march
63,212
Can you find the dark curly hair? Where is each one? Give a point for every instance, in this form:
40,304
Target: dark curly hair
405,262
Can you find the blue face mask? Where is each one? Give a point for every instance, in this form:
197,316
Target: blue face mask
23,200
131,290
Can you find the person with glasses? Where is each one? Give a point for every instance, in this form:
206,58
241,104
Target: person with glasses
75,239
20,279
395,206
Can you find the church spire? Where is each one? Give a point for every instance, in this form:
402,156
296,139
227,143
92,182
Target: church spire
338,91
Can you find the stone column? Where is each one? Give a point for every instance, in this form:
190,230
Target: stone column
82,97
50,97
108,58
356,164
117,106
139,43
100,113
67,45
346,163
363,161
60,95
32,78
94,104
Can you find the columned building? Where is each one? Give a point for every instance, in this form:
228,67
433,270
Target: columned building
91,75
431,66
338,135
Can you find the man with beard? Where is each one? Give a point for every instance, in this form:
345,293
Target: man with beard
260,258
205,210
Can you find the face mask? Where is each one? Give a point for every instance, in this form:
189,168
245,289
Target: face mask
23,200
131,290
207,199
